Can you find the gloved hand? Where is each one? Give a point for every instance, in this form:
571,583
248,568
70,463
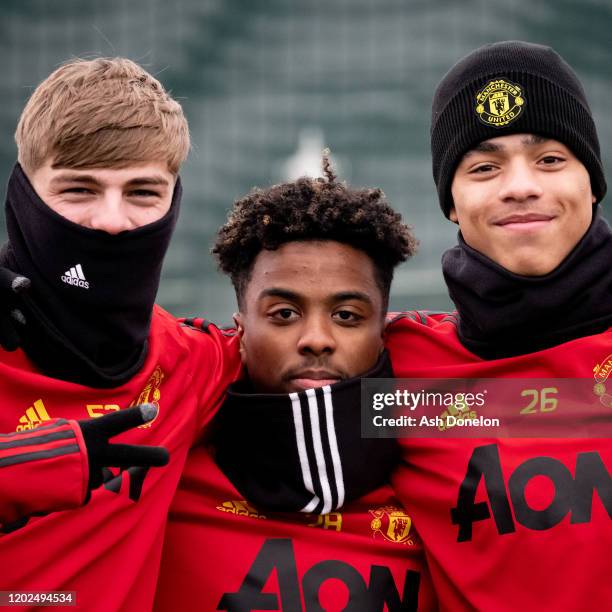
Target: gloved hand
102,454
11,317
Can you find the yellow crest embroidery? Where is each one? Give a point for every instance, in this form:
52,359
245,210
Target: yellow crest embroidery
393,524
601,373
499,103
151,394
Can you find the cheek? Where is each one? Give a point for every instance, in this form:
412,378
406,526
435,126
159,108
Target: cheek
361,352
263,349
75,213
469,204
580,221
577,198
140,215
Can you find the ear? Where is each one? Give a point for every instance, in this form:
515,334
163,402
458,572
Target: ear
237,317
452,215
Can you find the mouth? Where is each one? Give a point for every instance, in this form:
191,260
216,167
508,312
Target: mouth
311,379
525,222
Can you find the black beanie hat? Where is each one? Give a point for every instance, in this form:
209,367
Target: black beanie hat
506,88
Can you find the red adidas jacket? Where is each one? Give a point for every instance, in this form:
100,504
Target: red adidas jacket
108,551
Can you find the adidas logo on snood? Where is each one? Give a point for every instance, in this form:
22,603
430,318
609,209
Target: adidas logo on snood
76,277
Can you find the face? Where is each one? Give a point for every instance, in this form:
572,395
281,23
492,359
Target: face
312,316
109,199
523,201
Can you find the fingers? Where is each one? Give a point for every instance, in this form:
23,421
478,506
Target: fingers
15,282
128,455
18,316
9,338
20,284
10,317
117,422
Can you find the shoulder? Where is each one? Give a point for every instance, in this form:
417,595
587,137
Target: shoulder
421,318
201,325
191,332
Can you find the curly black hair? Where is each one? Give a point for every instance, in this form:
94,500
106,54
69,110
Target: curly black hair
313,209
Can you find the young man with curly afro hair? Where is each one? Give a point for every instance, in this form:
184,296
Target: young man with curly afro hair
312,263
318,225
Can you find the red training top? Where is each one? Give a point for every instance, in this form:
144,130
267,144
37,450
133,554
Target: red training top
221,553
108,551
508,524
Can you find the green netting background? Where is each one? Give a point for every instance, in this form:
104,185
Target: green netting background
266,83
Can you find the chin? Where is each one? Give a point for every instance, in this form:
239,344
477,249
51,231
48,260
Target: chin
532,267
528,260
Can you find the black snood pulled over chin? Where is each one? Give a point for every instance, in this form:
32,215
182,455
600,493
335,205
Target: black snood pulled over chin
502,314
302,452
90,304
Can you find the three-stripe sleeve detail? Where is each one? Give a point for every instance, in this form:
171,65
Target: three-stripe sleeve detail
39,443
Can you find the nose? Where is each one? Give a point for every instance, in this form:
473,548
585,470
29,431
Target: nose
110,215
316,336
520,183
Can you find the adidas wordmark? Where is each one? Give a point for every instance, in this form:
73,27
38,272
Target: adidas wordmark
75,276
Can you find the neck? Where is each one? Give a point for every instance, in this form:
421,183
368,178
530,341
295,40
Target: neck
266,443
502,314
91,301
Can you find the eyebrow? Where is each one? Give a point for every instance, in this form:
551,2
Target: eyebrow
534,139
92,180
341,296
484,147
491,147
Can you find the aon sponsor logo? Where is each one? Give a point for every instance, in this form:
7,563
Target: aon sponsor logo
276,555
571,494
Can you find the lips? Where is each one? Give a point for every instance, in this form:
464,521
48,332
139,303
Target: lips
310,379
524,219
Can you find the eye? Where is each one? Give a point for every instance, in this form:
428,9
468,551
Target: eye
552,160
482,169
77,190
145,193
346,316
284,315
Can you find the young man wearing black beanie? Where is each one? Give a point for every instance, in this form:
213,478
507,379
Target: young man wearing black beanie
519,523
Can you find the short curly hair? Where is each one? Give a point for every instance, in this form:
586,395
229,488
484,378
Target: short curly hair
313,209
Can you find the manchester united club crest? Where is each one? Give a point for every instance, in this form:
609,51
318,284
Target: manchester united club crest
151,394
601,373
499,103
393,524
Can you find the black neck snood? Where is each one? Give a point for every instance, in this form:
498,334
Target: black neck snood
302,451
89,308
502,314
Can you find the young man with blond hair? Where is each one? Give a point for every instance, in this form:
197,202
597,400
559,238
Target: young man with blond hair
90,210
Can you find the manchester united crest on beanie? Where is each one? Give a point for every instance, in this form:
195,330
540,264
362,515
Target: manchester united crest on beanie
507,88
